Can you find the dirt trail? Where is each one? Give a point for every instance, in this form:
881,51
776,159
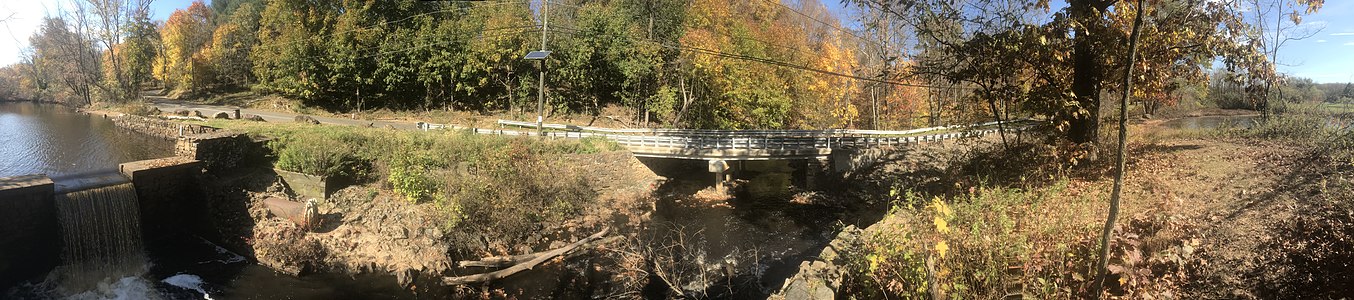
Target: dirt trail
1217,207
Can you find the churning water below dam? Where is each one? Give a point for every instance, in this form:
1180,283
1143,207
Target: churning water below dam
104,255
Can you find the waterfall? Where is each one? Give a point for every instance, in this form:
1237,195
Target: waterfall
101,234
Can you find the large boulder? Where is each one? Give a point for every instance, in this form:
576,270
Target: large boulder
307,119
198,113
221,115
182,112
254,118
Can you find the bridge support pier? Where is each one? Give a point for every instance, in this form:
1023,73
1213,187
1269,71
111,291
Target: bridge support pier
814,170
720,168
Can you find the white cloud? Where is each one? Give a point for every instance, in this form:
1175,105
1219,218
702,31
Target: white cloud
1349,43
1342,33
1320,41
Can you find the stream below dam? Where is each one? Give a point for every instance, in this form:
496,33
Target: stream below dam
740,248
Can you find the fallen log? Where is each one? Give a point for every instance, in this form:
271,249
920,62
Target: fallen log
497,261
528,265
508,260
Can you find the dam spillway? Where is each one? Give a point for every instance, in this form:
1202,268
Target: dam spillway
100,234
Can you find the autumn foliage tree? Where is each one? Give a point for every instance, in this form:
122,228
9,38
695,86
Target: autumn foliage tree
183,65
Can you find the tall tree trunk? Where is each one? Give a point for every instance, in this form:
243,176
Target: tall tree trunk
1087,70
1119,157
874,109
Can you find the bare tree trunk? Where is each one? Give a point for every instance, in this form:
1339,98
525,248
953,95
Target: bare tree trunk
1108,232
874,109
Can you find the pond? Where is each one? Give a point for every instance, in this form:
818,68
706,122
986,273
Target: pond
54,140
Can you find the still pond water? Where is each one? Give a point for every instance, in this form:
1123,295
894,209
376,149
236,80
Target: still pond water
54,140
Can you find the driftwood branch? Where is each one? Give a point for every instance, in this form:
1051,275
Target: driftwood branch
498,261
508,260
536,259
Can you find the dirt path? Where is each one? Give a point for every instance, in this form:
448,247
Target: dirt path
165,104
1231,204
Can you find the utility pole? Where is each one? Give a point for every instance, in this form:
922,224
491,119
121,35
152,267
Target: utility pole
540,99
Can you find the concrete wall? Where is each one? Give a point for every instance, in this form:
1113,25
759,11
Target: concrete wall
29,241
169,194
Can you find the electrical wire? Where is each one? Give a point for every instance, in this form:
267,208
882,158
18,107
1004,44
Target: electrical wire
574,31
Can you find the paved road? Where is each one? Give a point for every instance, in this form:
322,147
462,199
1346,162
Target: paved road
167,105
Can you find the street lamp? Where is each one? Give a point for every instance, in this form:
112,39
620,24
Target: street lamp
540,99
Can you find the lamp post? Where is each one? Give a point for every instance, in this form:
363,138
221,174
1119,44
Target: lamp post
540,91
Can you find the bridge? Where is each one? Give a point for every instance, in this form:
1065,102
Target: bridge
718,147
744,144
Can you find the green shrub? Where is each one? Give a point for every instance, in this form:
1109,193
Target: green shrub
411,177
512,187
322,157
1298,127
513,193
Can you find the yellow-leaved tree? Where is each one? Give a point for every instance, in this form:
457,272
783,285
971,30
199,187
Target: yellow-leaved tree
185,33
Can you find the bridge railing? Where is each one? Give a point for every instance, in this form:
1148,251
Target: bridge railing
754,132
787,140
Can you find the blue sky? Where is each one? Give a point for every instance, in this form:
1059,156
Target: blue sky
1326,57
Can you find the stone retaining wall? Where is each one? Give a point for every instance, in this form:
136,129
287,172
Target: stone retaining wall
222,150
161,128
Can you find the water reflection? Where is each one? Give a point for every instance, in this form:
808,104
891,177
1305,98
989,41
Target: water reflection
53,140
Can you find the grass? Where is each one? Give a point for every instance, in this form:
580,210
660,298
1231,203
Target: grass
499,189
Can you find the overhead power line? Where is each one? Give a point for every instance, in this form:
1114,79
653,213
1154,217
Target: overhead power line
574,31
825,23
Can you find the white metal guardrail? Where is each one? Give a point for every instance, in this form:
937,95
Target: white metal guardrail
782,140
754,132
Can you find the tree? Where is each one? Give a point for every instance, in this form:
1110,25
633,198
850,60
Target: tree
603,61
741,91
1282,12
111,21
61,50
186,33
944,26
287,58
232,41
139,49
1119,159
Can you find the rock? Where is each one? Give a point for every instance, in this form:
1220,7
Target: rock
306,119
819,278
198,114
800,289
254,118
182,112
405,278
222,115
